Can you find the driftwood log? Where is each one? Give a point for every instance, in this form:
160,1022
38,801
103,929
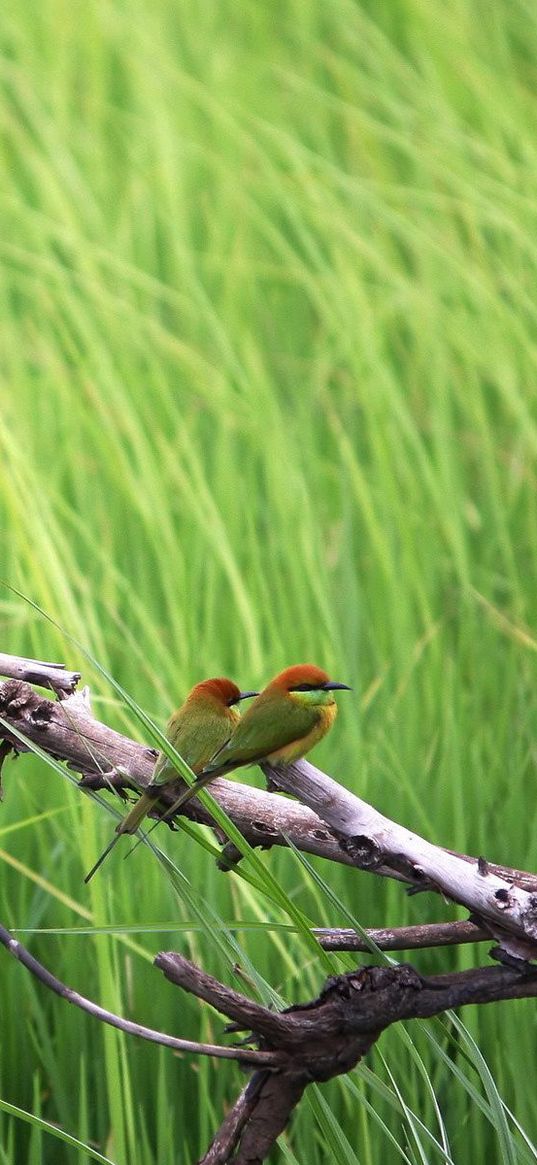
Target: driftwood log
323,1037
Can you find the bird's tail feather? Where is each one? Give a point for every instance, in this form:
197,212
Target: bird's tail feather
129,824
140,810
100,860
192,791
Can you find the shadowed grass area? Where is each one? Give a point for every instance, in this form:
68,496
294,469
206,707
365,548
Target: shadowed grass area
268,346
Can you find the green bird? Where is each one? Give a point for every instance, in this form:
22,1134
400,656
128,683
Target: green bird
197,730
290,715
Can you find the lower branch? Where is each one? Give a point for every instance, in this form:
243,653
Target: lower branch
230,1131
277,1096
312,1041
328,1036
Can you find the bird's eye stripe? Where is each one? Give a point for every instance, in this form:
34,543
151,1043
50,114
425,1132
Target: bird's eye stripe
303,688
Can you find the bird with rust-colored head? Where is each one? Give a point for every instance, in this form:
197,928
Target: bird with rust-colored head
199,728
289,716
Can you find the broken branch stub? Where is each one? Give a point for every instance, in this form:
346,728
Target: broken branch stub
35,671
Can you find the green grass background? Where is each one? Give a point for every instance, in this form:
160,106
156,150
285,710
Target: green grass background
268,348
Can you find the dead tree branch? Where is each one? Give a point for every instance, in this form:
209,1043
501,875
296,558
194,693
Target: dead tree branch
332,822
506,909
326,1036
47,675
109,760
402,938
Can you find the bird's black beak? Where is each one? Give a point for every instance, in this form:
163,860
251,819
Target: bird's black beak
333,686
243,696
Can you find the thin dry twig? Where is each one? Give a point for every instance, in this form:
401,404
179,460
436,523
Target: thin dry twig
243,1055
402,938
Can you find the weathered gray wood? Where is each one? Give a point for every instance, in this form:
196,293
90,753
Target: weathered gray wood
330,821
375,839
47,675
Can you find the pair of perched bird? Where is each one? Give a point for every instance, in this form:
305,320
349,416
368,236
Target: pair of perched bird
285,720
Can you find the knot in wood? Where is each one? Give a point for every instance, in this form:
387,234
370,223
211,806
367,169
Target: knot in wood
364,852
372,979
42,713
19,702
265,828
15,697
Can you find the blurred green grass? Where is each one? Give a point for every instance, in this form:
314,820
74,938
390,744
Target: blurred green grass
268,345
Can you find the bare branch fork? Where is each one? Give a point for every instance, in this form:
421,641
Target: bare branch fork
327,1036
312,1041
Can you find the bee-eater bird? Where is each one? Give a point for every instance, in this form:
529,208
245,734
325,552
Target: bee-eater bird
197,730
289,716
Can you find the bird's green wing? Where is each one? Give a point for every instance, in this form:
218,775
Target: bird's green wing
265,727
196,737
